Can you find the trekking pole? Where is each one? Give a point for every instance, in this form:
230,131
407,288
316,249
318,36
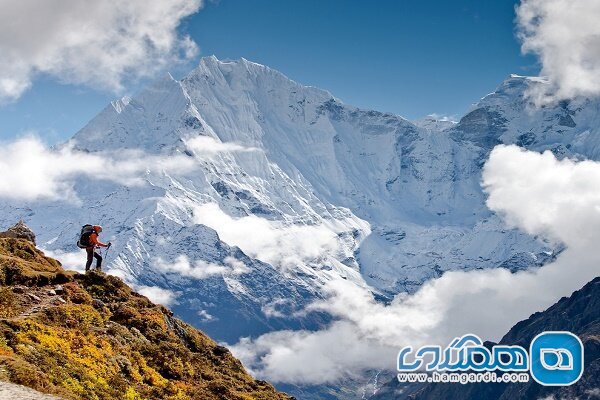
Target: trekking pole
106,253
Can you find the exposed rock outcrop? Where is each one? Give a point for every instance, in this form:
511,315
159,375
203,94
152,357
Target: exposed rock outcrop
19,231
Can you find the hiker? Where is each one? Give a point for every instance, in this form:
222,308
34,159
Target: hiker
88,240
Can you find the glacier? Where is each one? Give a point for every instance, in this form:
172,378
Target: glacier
292,187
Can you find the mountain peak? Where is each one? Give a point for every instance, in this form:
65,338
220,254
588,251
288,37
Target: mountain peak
541,79
212,62
212,59
239,69
169,111
161,107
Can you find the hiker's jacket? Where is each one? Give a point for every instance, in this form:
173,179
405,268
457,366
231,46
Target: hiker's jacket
95,242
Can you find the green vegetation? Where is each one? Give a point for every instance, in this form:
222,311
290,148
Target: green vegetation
92,337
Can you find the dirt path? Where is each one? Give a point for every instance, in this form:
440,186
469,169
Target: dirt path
10,391
38,299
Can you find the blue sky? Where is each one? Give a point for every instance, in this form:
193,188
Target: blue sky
408,57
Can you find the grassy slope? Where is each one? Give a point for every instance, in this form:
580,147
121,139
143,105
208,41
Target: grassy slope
97,339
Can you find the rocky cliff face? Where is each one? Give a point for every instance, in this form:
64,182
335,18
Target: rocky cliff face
90,336
579,313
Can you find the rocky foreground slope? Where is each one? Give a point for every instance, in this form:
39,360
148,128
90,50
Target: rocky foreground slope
91,337
579,313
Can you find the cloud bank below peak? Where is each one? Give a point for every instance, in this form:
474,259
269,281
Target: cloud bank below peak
535,192
30,170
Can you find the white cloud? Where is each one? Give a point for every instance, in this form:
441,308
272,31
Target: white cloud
272,309
96,43
205,316
269,241
565,35
200,269
70,260
312,357
536,192
206,145
237,267
29,170
157,294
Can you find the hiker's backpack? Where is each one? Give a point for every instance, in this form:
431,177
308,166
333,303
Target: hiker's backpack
84,237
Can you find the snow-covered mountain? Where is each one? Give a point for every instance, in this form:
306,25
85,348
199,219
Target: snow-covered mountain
291,187
434,123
